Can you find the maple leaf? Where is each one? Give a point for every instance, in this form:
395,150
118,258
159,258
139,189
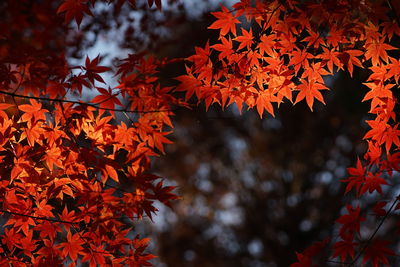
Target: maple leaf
394,69
377,253
357,177
363,181
331,57
393,162
11,238
157,2
378,90
309,91
107,99
378,208
349,58
314,39
67,217
78,82
374,152
372,183
225,48
158,140
27,244
335,36
377,50
109,172
300,59
303,261
33,133
72,247
316,248
48,230
377,132
22,223
315,72
263,102
201,58
343,249
47,254
55,89
43,209
96,257
129,64
74,9
163,193
390,28
380,73
92,69
53,157
350,222
391,136
245,40
33,112
266,44
226,21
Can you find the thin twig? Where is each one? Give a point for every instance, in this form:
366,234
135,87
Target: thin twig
36,217
83,103
375,232
389,2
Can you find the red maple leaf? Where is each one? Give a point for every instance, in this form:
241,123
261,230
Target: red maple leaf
74,9
72,247
372,182
163,193
303,261
357,177
343,249
377,253
350,222
378,208
107,99
93,69
157,2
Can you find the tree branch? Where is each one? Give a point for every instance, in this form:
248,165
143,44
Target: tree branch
389,2
83,103
36,217
375,232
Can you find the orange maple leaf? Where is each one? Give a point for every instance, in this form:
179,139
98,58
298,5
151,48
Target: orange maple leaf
377,50
225,48
263,102
309,91
226,21
349,58
245,40
33,112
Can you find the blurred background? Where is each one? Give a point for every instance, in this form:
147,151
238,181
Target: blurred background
255,190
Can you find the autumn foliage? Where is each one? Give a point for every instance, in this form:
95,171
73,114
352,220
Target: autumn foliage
65,162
